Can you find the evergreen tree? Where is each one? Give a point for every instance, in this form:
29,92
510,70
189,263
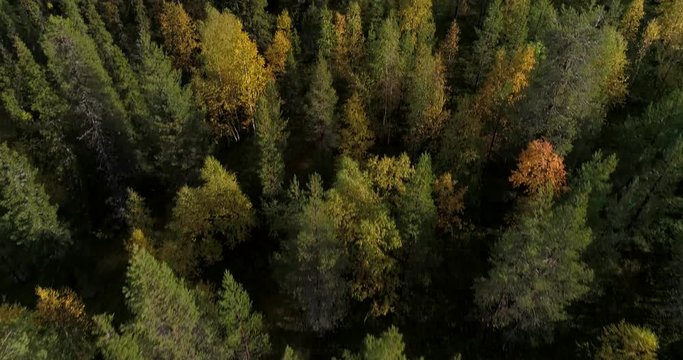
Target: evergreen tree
172,133
389,345
312,262
166,320
417,224
321,100
582,75
271,136
246,337
29,228
37,112
97,114
253,14
536,267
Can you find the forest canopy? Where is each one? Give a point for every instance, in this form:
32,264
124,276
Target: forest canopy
351,179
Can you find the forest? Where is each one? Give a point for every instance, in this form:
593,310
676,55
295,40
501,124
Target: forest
341,179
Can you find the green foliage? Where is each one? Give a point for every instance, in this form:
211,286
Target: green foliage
537,268
216,210
172,132
386,71
257,21
97,116
29,226
581,75
371,237
321,100
271,137
624,341
389,345
37,112
417,224
246,336
312,262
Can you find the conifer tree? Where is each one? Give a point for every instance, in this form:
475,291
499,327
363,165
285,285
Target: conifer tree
172,132
312,262
29,227
253,14
246,336
271,136
321,101
416,221
627,342
98,116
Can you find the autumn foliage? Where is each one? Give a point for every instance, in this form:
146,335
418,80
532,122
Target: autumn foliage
538,167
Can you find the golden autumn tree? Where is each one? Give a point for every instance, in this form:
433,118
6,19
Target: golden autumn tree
503,86
62,317
630,21
449,49
349,41
356,135
233,74
179,34
450,203
281,46
539,167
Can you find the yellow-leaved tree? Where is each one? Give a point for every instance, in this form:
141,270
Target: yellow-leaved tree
179,34
279,49
233,74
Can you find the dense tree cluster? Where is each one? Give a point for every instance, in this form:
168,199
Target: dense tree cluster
354,179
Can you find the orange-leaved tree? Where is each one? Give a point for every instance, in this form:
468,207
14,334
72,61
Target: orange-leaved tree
539,167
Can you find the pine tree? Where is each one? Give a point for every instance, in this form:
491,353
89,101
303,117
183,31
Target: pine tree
582,75
321,100
271,136
124,79
29,227
389,345
166,320
173,131
312,262
253,14
536,267
38,113
416,220
99,118
246,336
